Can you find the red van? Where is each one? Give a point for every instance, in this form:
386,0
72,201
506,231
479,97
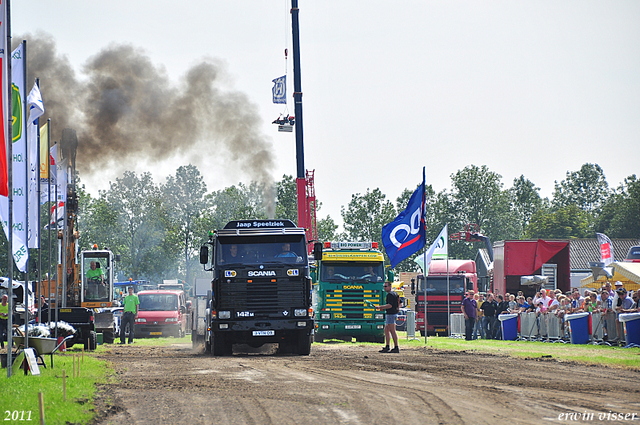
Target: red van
161,313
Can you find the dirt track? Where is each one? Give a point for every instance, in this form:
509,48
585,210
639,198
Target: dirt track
351,384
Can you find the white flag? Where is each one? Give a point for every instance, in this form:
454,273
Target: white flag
279,89
19,170
438,249
36,110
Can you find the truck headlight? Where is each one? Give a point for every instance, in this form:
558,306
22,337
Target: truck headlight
325,316
300,312
224,314
141,320
379,316
171,319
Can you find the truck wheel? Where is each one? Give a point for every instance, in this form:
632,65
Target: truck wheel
287,347
91,342
195,340
221,346
108,337
304,344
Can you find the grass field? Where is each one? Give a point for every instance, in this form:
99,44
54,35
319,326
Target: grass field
590,354
19,394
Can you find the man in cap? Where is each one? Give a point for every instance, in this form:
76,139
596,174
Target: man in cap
469,306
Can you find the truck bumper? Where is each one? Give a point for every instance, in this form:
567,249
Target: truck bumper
151,331
259,332
340,330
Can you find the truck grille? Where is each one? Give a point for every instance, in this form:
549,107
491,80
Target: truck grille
351,302
263,299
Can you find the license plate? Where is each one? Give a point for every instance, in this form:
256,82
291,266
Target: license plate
155,333
352,326
264,333
440,330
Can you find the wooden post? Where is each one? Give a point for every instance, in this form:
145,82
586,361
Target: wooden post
83,354
64,385
41,402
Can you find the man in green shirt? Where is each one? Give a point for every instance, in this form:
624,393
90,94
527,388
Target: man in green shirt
95,279
131,305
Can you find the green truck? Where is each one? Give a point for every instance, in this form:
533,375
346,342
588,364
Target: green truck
347,286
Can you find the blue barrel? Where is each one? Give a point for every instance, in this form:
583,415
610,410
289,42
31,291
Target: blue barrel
509,326
631,327
578,327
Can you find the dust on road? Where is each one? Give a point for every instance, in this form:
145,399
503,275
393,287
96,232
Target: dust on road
354,384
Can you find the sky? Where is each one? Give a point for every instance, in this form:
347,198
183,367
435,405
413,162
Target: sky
533,88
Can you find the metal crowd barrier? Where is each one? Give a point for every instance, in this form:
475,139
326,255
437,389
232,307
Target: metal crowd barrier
457,325
411,325
597,328
554,332
611,325
529,326
603,328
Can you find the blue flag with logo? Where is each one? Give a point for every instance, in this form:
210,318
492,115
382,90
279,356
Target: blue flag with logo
406,235
280,90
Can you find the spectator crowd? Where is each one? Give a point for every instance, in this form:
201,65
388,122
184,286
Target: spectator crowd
607,300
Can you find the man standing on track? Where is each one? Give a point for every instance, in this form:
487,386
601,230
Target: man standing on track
391,308
468,308
131,304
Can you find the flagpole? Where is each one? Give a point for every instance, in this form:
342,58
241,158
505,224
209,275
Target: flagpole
425,273
37,124
58,243
7,57
448,296
49,207
23,123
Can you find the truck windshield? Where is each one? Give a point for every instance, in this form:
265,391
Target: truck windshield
438,285
351,272
158,302
96,278
264,249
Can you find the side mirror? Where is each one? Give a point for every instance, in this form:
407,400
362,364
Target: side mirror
183,309
317,251
204,254
413,286
390,275
189,305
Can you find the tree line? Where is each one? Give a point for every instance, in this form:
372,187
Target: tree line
158,228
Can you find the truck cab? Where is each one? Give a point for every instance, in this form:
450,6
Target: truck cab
261,289
96,274
348,286
444,289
